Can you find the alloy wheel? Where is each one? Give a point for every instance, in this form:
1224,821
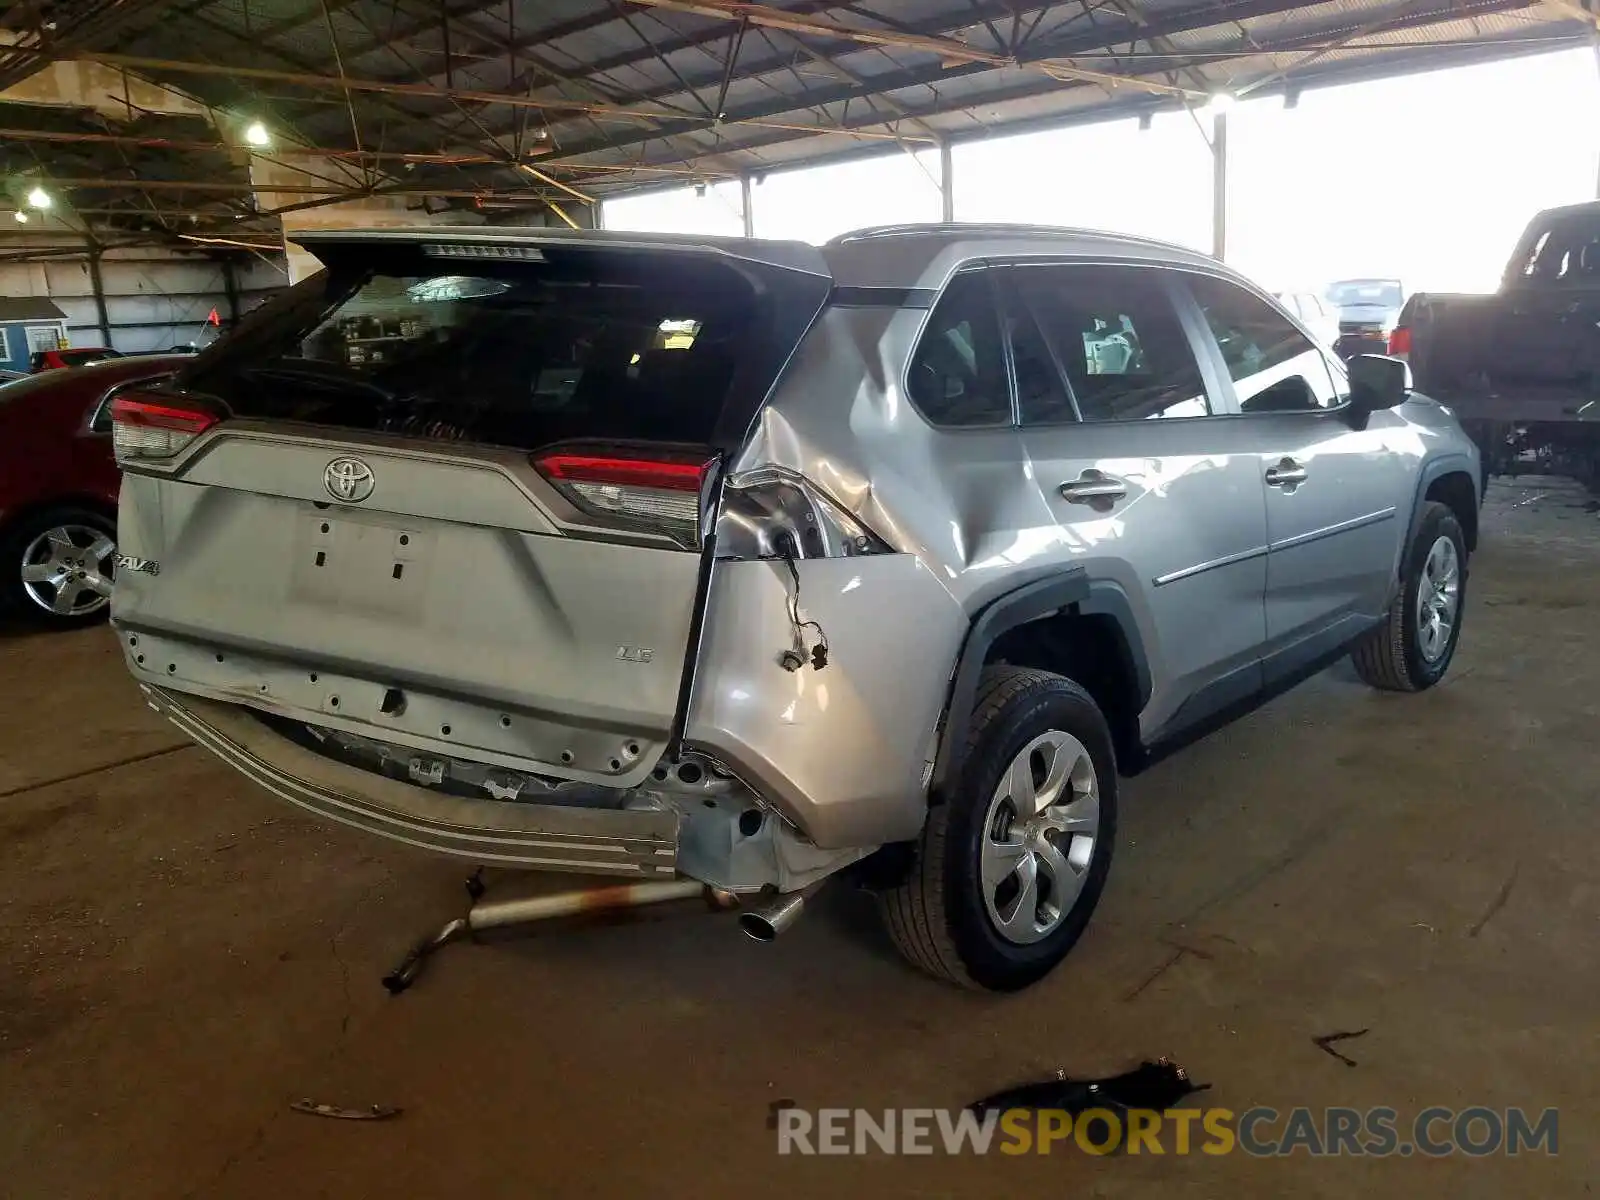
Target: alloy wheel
1438,598
1039,837
67,570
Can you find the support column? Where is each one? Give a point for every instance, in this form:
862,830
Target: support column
746,207
947,183
97,283
1597,65
230,288
1219,186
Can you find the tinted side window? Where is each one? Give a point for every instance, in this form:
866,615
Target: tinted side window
958,373
1274,367
1119,339
1042,397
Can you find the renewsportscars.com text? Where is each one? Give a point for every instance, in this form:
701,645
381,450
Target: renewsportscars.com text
1260,1132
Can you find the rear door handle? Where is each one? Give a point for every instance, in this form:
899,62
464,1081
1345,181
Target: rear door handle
1287,471
1094,487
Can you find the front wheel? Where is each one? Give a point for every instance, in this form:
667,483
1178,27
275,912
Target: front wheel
1411,649
1008,871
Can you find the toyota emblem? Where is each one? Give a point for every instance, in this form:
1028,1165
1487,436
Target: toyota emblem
348,479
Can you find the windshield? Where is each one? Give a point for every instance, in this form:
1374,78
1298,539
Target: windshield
1378,293
518,353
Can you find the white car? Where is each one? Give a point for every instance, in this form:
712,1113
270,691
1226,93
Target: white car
1313,313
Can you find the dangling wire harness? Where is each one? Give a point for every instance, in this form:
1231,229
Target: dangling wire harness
797,656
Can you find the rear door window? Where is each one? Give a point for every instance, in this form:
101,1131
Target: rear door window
556,345
1118,338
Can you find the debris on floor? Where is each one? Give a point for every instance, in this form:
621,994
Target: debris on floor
373,1112
1325,1043
1156,1086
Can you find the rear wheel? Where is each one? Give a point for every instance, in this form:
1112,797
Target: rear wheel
1008,872
59,565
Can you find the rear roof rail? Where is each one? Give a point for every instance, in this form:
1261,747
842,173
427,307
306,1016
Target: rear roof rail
997,229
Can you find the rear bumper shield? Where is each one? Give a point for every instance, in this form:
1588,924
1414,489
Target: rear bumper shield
637,843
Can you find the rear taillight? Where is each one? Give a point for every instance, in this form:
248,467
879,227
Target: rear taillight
147,427
1400,341
771,512
662,493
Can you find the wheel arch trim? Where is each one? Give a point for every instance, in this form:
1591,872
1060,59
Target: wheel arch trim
1068,589
1432,471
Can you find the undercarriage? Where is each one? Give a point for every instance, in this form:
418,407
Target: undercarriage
1570,448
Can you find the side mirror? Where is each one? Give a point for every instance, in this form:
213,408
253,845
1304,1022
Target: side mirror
1376,382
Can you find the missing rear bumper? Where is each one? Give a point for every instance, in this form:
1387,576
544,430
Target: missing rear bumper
545,837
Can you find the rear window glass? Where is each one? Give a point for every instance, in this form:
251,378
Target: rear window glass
1567,250
569,344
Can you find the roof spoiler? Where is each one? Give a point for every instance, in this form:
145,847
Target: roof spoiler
502,242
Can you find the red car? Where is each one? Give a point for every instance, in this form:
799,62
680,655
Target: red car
58,488
79,356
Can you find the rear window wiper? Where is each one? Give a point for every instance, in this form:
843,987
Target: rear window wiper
331,380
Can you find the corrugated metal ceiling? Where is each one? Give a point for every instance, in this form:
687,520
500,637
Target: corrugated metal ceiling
612,95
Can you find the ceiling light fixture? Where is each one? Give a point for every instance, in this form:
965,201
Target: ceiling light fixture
255,134
40,199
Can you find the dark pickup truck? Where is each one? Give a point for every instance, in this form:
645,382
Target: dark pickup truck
1521,367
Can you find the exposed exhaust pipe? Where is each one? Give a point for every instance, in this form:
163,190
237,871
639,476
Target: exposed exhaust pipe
525,910
766,921
497,914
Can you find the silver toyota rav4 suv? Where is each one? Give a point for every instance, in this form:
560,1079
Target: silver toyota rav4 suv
749,562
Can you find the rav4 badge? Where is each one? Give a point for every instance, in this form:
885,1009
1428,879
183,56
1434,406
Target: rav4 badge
126,562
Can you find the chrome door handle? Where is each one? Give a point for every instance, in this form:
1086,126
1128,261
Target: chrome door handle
1287,471
1094,487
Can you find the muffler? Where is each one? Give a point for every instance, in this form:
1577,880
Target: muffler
766,921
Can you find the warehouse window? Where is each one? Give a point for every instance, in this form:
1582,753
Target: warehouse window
45,337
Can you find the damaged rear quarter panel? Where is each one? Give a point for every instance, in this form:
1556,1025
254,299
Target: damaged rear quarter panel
842,751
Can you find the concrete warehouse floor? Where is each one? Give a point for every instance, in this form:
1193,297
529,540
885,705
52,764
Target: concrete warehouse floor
184,955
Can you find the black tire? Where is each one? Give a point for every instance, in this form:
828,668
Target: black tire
14,544
1391,656
937,915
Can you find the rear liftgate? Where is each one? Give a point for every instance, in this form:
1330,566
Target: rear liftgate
445,640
